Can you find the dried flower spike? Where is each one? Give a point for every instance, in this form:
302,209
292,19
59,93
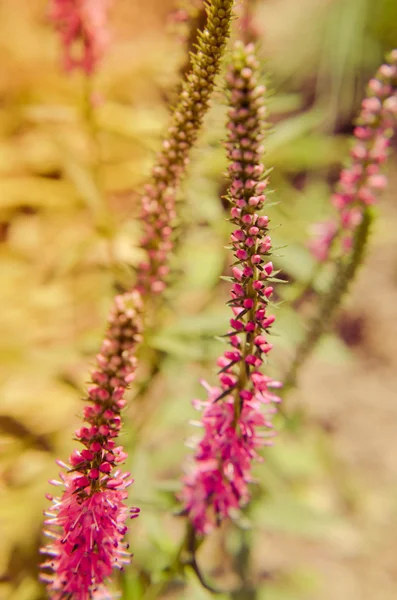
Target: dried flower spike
158,202
362,180
234,422
83,27
88,522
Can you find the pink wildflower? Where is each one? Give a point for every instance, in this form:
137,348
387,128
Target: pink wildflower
361,181
236,414
83,27
88,522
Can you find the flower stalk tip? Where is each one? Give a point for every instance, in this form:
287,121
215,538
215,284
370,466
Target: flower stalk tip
362,180
158,202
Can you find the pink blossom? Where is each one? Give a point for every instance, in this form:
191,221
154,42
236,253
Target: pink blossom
91,543
88,522
83,27
219,486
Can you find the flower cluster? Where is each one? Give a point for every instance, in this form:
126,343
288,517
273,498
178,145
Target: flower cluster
158,202
83,27
88,522
233,419
360,182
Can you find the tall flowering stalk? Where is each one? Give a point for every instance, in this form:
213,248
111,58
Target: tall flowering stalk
83,27
158,202
234,423
87,523
360,182
356,193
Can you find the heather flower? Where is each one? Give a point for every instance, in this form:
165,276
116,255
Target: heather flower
236,415
83,27
88,521
158,202
362,180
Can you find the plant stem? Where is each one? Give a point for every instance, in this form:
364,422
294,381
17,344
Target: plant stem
344,275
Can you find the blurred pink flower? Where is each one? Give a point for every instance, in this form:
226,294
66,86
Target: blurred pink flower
361,181
83,27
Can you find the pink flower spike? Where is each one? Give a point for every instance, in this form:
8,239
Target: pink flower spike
236,414
88,522
361,180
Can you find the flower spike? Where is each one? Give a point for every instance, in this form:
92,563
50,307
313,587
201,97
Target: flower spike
360,182
236,416
158,202
87,523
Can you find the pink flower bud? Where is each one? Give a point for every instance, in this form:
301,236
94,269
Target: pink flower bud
268,268
377,182
237,273
233,355
248,303
95,447
238,235
241,254
238,290
237,325
251,359
268,321
105,467
262,221
268,291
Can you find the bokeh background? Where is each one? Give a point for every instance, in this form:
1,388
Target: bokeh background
323,523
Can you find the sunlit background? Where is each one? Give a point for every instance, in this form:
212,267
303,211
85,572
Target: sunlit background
323,523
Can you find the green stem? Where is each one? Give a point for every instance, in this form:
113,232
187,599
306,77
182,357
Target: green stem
345,273
184,557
